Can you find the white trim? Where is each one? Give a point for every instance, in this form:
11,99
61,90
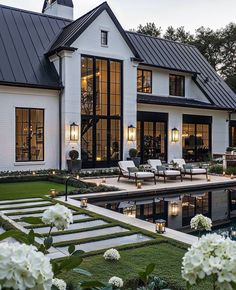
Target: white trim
29,163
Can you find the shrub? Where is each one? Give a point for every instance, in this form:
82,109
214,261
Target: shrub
231,170
74,154
218,169
133,152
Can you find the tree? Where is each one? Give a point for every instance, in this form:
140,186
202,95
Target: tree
150,29
178,34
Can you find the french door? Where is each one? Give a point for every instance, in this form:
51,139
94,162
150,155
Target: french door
152,136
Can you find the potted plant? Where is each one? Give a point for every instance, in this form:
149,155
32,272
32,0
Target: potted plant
74,164
133,154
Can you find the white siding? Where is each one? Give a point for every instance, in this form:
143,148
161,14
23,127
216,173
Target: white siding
29,98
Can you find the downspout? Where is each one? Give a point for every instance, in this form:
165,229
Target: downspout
60,106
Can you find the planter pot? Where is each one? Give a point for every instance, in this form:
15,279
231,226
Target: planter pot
137,161
74,165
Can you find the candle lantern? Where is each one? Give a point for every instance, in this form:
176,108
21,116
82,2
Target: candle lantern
77,177
232,176
131,133
33,173
53,193
160,226
83,202
139,185
224,173
208,179
175,135
54,172
74,132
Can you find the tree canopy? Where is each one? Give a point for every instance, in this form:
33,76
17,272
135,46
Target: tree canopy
217,46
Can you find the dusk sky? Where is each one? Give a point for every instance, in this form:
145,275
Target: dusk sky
189,13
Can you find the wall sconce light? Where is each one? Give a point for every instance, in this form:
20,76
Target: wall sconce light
83,202
174,208
74,132
175,135
160,226
131,133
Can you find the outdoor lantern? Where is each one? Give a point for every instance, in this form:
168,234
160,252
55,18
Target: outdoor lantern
208,179
53,192
139,185
77,177
33,173
174,135
54,172
223,173
104,180
174,208
232,176
83,202
160,226
74,132
131,133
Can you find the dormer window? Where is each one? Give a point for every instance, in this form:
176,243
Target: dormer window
104,38
177,85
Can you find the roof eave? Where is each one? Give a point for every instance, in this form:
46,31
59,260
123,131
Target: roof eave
60,49
35,86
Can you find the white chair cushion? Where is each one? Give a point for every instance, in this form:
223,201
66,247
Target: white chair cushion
170,172
181,162
196,171
125,164
154,163
142,174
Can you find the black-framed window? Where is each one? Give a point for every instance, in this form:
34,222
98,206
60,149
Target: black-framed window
104,37
29,134
101,109
176,85
193,205
144,81
197,138
232,134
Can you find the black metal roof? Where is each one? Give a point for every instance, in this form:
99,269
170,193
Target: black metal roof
68,3
175,101
176,56
73,30
24,38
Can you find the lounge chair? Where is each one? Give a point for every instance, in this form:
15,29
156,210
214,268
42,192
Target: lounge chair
188,169
162,171
130,171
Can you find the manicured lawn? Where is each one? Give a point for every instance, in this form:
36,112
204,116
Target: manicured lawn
167,258
27,189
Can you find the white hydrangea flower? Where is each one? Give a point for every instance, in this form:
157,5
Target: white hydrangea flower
59,216
23,267
59,283
116,281
111,254
211,255
201,222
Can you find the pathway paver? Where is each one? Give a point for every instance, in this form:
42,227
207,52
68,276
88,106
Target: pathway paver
23,210
76,226
8,201
27,204
89,234
109,243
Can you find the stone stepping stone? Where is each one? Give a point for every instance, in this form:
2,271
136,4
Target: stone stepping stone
9,201
23,210
75,218
56,255
110,243
76,226
39,214
89,234
27,204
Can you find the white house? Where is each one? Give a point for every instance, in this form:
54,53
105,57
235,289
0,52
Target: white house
85,84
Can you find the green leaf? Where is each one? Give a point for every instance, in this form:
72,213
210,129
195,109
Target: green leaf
70,263
31,237
14,234
78,253
143,276
150,268
32,220
82,272
71,249
48,242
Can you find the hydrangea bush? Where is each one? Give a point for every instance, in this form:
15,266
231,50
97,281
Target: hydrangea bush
201,223
116,282
59,283
212,256
24,267
59,216
111,254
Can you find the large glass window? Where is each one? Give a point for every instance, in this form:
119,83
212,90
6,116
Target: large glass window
101,107
232,134
144,81
29,134
195,204
196,142
177,85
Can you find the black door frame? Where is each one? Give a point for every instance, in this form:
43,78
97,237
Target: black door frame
95,118
154,117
